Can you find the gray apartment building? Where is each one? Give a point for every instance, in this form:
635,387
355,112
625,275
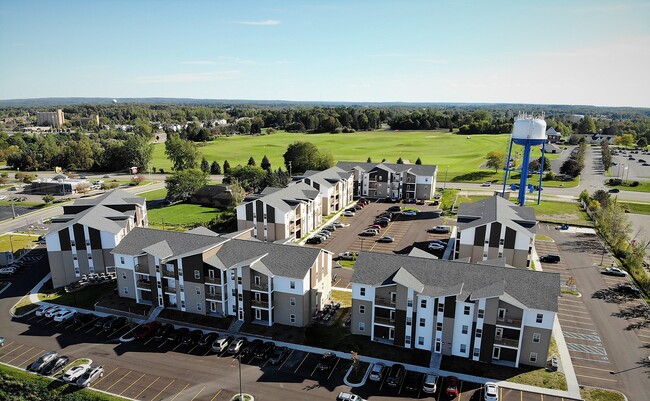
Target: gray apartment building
336,187
406,182
481,313
207,274
495,228
80,241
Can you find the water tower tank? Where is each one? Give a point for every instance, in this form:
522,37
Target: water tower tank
529,130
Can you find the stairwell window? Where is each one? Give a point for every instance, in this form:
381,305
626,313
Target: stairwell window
533,357
362,291
423,322
409,303
121,260
292,301
463,348
438,326
362,309
540,318
481,313
537,337
197,274
292,285
423,303
464,329
466,310
198,291
479,333
441,307
292,318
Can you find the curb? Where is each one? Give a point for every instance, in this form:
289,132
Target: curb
362,382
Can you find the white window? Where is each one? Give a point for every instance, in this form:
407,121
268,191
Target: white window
292,285
126,290
407,340
292,318
292,301
198,291
183,304
501,314
479,333
211,273
466,310
258,297
362,309
362,291
420,340
441,307
198,306
240,297
232,274
463,348
464,329
438,326
232,291
481,313
197,274
540,318
362,326
423,322
392,315
258,280
121,259
238,280
477,352
393,297
409,303
537,337
533,357
423,303
123,276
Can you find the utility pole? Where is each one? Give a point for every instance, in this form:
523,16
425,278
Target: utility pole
444,187
289,170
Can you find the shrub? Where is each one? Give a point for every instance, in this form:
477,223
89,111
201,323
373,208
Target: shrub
634,184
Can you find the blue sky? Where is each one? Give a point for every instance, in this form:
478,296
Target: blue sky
555,52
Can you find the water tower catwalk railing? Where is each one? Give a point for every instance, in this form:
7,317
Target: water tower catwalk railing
528,131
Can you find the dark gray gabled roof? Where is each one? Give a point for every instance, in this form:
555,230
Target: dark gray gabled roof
114,197
166,244
281,260
535,290
287,198
427,170
327,178
498,209
99,217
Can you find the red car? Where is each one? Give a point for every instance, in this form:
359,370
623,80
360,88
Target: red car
377,226
452,387
146,330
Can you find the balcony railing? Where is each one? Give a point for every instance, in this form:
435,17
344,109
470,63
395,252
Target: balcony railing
168,273
213,297
384,320
509,342
213,280
143,285
141,269
384,302
260,304
260,287
509,322
168,289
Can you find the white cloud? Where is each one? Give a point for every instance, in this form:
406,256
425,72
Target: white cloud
266,22
198,62
188,77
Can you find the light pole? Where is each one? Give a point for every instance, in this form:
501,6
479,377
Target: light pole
240,392
627,176
444,187
289,170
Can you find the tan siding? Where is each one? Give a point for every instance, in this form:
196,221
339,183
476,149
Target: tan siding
541,348
358,317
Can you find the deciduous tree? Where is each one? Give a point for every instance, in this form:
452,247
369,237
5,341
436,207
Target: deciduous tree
183,183
496,159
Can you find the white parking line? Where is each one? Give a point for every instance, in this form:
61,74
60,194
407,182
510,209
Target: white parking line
580,336
586,349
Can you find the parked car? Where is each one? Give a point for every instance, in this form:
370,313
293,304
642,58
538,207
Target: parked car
430,384
146,330
491,392
55,365
434,246
99,323
437,213
82,318
614,191
182,333
2,341
486,184
278,355
368,233
440,229
628,289
163,332
412,380
614,271
90,376
251,347
382,222
207,339
330,227
394,209
73,374
377,372
221,344
237,345
409,213
345,396
339,224
386,238
452,387
51,312
43,360
327,361
265,351
348,255
192,337
315,240
64,315
348,213
5,271
550,258
325,233
43,309
395,375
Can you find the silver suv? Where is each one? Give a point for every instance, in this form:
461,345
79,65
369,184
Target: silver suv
91,375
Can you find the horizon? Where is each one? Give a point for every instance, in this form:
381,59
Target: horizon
579,53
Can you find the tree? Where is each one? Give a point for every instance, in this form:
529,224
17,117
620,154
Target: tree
614,226
205,165
226,167
400,161
303,156
251,178
182,153
602,197
266,164
584,196
570,167
418,161
215,168
369,160
137,180
251,161
136,151
642,142
626,140
496,159
183,183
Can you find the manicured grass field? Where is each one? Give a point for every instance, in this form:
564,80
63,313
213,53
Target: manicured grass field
18,241
83,298
644,186
155,194
181,214
462,155
634,207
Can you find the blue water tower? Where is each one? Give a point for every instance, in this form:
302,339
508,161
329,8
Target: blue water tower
528,131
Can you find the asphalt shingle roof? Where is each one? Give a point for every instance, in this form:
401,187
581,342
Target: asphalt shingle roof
535,290
498,209
99,217
159,242
114,197
427,170
286,198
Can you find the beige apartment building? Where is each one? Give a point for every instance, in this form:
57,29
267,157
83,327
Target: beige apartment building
50,118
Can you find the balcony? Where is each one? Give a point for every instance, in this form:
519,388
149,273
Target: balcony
213,280
509,322
143,285
508,342
384,302
213,297
384,321
260,287
169,290
143,269
260,304
168,273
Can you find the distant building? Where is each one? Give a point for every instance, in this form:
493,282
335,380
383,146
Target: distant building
552,135
50,118
60,187
576,118
213,195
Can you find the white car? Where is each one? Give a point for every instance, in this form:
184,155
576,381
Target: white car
50,313
377,372
409,213
73,374
348,214
429,385
44,309
3,197
6,271
64,315
486,184
491,392
434,246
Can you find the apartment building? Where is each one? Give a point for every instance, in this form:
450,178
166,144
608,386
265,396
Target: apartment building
495,228
281,213
482,313
80,241
407,182
50,118
336,187
207,274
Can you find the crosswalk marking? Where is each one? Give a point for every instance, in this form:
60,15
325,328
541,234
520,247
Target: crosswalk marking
581,336
586,349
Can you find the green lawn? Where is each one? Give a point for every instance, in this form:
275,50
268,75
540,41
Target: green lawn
463,156
599,394
155,194
634,207
84,298
181,214
560,212
16,242
644,186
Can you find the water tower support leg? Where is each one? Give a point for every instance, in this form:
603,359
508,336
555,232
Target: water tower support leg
541,171
505,179
524,175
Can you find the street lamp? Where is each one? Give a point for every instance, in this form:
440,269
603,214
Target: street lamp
240,392
444,187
